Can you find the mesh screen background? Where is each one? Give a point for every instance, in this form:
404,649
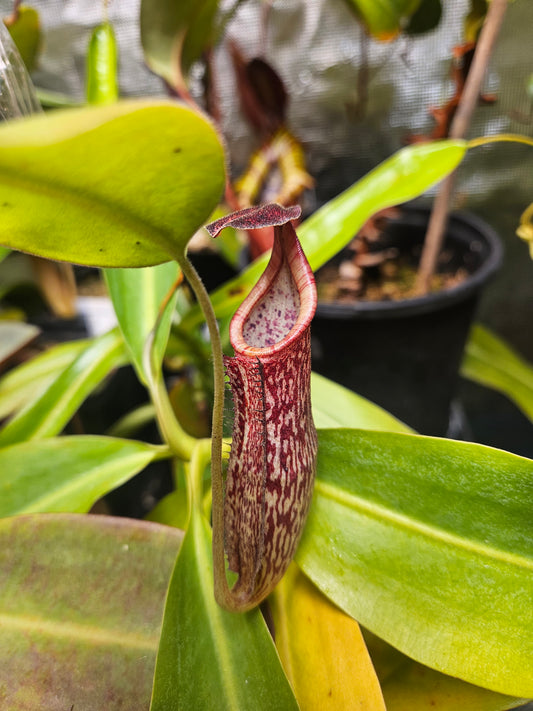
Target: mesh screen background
317,48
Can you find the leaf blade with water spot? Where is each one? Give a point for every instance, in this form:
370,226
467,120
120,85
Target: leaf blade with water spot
81,602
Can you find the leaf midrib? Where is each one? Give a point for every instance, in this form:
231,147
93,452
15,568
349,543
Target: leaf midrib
86,201
75,632
85,480
520,373
440,535
100,353
218,633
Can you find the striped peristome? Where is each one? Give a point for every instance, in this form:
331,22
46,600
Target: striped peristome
272,464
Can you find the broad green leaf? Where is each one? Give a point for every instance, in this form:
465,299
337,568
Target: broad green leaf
67,473
429,544
81,602
4,251
383,19
137,295
14,335
407,174
209,658
50,411
29,380
124,185
409,686
336,406
174,35
490,361
322,649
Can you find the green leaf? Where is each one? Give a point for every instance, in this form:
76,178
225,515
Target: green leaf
137,295
102,60
29,380
407,174
172,510
67,473
336,406
409,686
429,544
174,35
81,602
50,411
490,361
134,420
123,185
383,19
56,100
209,658
25,30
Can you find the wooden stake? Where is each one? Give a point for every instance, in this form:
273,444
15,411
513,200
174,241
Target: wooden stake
459,127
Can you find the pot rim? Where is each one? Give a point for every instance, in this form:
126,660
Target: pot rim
437,300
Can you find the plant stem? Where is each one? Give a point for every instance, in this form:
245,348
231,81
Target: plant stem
199,459
222,591
458,129
179,441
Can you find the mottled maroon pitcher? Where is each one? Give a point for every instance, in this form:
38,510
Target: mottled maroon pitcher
272,464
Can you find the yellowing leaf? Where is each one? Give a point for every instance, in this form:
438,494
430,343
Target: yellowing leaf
409,686
322,649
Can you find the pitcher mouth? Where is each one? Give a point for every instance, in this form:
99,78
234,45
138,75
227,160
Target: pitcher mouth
281,305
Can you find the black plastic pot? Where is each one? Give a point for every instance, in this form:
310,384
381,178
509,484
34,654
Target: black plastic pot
405,355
